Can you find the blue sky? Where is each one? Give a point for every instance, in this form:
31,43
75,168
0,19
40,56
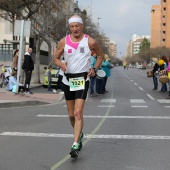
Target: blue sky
120,19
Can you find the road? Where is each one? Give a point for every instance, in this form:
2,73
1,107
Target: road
126,129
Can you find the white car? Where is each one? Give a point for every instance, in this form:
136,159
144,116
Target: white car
139,66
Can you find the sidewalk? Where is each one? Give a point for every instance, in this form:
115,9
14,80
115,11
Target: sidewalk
9,99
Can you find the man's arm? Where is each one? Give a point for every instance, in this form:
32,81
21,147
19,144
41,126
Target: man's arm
58,54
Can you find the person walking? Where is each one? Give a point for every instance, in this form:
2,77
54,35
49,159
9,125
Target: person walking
155,73
28,67
77,48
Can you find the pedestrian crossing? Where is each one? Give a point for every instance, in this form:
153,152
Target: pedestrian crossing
133,103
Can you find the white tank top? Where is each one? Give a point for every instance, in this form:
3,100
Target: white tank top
77,56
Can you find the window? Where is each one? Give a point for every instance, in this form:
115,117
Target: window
164,24
163,40
164,1
164,9
164,32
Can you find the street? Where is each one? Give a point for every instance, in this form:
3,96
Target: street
125,129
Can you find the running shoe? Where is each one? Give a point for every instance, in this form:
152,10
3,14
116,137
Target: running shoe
74,151
80,145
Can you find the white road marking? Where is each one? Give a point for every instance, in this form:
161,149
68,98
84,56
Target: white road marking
108,100
137,101
28,134
135,84
110,117
106,106
139,106
164,101
150,96
131,80
167,106
140,88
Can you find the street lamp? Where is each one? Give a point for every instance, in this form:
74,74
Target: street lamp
98,22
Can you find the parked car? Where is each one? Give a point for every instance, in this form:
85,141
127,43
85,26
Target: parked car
139,66
144,66
54,74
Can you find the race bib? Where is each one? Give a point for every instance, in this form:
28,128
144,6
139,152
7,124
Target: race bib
77,83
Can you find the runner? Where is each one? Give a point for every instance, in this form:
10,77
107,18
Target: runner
77,52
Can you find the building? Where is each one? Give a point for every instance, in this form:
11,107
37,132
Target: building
133,47
160,25
155,26
165,23
113,49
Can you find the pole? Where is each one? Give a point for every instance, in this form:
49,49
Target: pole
20,54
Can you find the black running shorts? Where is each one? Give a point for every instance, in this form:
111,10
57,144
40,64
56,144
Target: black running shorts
73,95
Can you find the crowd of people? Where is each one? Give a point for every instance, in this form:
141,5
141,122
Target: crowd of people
10,77
161,71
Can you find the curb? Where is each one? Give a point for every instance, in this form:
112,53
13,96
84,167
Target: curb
21,103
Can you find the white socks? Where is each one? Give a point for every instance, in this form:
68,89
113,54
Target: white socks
75,143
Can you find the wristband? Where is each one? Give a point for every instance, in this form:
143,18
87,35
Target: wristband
94,69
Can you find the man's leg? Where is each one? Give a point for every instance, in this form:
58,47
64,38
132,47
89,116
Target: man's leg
79,122
27,79
70,108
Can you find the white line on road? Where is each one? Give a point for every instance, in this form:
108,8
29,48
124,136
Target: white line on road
110,117
106,106
150,96
131,80
28,134
167,106
137,101
139,106
140,88
135,84
164,101
108,100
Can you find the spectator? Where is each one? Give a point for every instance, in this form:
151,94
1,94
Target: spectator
13,82
49,78
93,79
59,82
163,67
168,70
155,71
28,67
15,60
106,66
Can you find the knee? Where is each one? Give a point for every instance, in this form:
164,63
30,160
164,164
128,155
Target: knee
78,114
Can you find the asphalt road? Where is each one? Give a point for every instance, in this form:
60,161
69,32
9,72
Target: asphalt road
126,129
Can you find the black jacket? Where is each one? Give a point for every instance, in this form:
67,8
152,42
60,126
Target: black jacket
28,62
155,68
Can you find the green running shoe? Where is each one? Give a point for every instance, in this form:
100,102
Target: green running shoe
74,151
80,145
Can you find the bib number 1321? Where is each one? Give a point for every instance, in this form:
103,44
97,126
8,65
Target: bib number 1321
77,83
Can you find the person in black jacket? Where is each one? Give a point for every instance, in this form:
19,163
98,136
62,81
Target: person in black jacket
155,71
28,67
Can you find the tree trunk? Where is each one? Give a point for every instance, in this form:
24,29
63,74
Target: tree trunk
37,63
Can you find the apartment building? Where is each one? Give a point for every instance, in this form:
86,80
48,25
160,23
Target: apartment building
113,49
165,23
155,26
133,47
160,25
